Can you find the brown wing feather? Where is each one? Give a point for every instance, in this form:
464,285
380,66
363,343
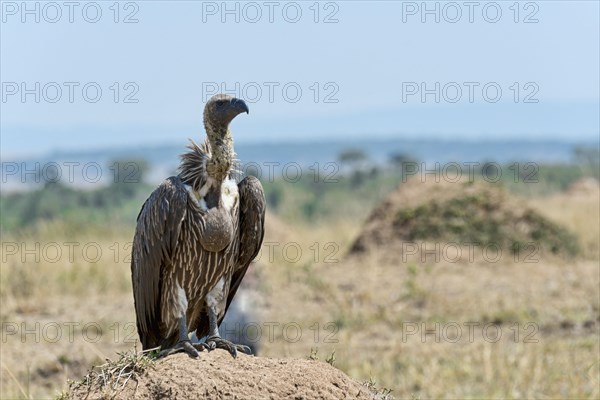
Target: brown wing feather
158,227
252,231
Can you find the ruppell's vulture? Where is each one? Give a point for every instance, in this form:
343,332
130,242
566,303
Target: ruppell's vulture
195,237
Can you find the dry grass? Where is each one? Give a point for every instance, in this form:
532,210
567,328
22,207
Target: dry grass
579,212
112,376
371,305
375,318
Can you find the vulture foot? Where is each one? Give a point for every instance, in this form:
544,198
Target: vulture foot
185,346
216,342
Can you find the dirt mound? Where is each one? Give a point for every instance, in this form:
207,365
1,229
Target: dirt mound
216,375
460,213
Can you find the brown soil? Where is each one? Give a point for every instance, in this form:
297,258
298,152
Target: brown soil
216,375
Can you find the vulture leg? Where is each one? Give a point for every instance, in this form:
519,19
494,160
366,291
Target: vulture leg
183,345
214,340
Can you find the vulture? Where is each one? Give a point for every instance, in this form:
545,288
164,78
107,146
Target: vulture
195,237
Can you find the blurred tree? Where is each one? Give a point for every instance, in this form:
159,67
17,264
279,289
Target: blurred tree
47,203
399,160
274,196
127,175
353,158
355,161
358,178
309,209
588,158
374,173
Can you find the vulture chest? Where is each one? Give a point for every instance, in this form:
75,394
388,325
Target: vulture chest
212,235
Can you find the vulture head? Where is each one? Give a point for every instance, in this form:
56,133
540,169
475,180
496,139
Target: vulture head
219,111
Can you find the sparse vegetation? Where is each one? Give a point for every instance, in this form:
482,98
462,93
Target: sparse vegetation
380,394
331,359
113,376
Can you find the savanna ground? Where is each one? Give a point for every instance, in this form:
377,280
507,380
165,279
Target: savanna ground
528,329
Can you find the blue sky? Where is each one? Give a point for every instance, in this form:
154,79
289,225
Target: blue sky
357,74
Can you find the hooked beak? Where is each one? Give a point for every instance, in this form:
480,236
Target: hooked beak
239,105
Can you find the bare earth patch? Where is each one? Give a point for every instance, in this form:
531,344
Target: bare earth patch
216,375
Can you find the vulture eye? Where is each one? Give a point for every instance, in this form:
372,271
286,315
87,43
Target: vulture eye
220,103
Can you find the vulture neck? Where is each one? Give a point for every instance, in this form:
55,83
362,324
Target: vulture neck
221,145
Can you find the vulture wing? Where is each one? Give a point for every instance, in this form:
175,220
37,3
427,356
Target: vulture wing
158,226
252,231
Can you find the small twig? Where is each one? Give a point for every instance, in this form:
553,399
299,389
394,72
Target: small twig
16,381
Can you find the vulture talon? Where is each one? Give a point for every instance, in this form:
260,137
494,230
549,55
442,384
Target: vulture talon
220,343
243,349
205,346
184,346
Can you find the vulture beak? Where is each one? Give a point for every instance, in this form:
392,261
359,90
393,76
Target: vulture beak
239,106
